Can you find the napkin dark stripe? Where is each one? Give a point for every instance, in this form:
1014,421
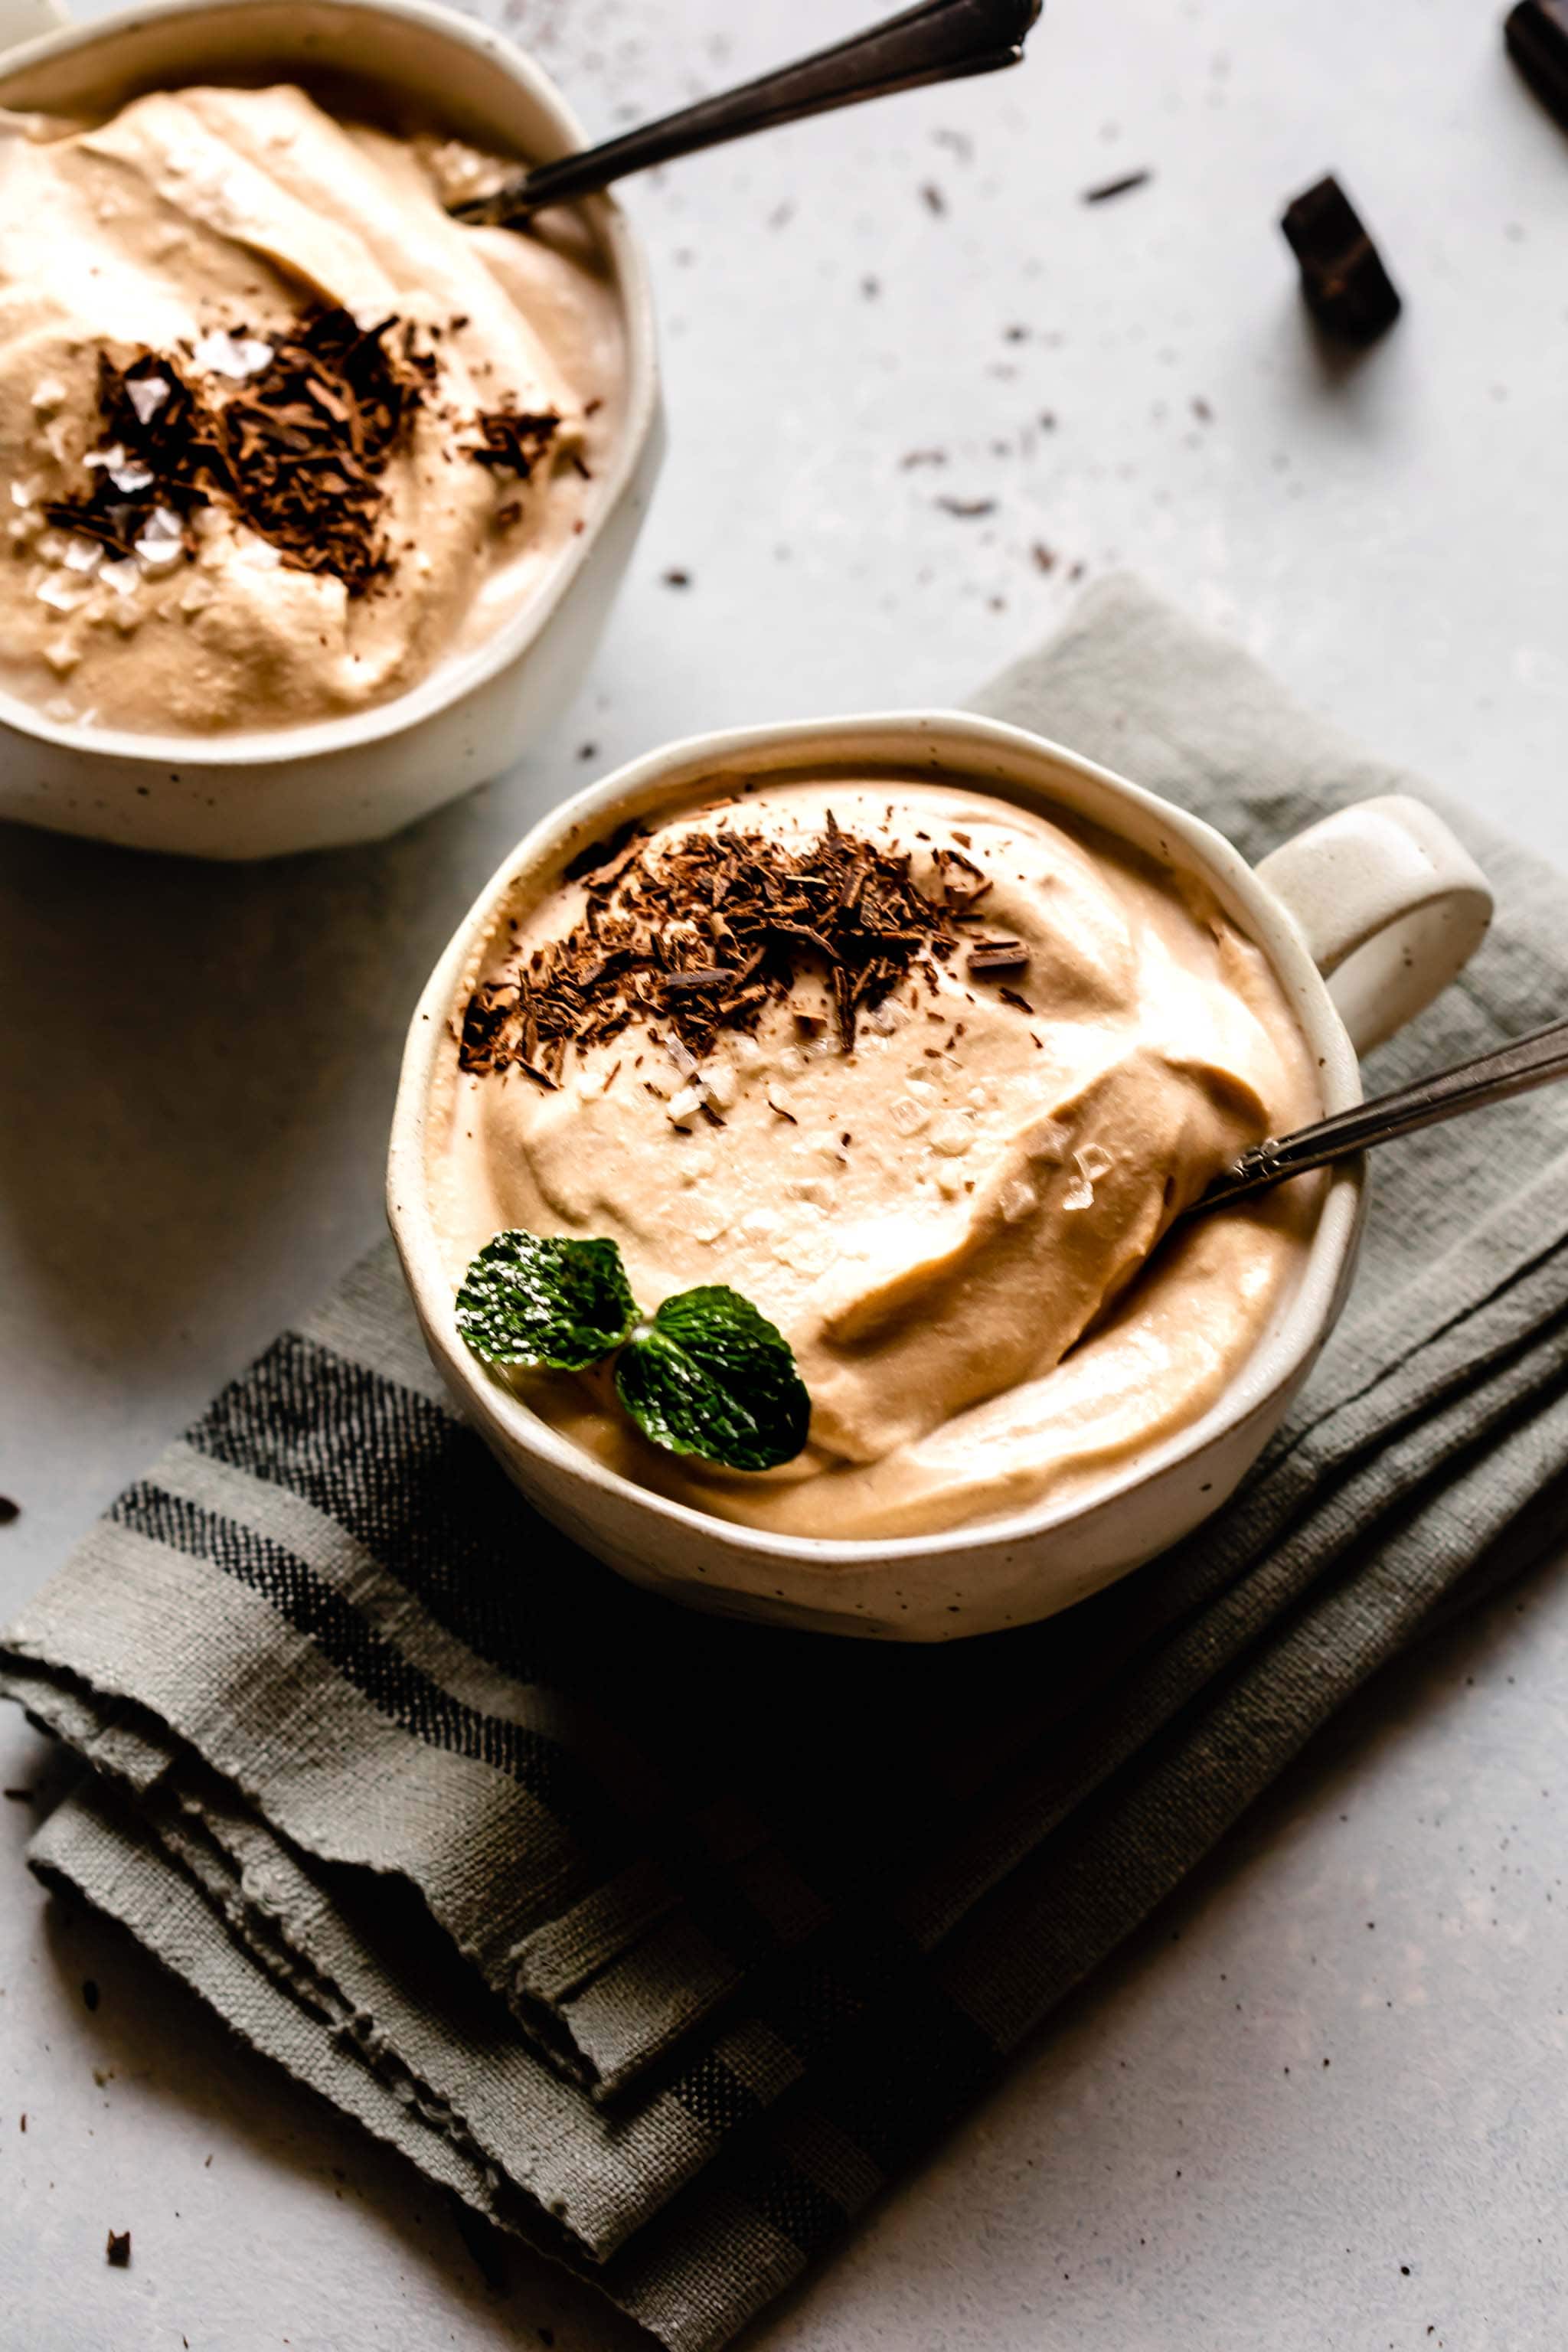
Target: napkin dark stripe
399,1472
373,1664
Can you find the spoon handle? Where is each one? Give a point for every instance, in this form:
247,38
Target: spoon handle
938,41
1512,1069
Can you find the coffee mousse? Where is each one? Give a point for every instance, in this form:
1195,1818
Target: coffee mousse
279,436
927,1077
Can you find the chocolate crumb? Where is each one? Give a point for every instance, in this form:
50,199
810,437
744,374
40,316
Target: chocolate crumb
967,509
990,956
8,1510
514,440
117,2250
1106,189
675,578
932,198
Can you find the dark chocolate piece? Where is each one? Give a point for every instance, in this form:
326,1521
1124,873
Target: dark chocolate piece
1347,289
1536,33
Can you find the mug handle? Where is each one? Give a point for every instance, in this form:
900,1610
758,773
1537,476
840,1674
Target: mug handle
1391,906
28,20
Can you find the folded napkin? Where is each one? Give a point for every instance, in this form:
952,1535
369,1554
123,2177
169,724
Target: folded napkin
665,1941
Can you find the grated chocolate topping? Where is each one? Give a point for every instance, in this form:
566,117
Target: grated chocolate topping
297,449
706,933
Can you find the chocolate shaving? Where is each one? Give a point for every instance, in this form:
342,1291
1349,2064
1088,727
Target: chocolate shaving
703,976
514,441
296,451
843,907
990,956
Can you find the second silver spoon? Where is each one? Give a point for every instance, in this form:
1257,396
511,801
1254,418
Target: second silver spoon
1537,1060
941,40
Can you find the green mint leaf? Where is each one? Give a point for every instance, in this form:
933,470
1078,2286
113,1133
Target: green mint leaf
541,1300
711,1376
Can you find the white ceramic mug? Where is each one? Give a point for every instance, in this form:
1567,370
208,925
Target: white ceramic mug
262,793
1365,918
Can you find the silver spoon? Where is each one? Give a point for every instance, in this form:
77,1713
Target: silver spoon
1533,1060
939,41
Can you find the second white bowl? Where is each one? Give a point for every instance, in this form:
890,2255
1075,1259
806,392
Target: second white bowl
352,779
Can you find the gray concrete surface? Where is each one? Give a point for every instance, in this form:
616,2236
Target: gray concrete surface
1319,2107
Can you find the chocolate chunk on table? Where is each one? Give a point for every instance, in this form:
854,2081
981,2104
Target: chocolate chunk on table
1346,287
1536,33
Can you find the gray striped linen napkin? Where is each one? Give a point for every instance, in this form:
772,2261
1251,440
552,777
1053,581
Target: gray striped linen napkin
665,1941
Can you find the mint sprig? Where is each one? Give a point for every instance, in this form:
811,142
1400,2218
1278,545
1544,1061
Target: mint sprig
540,1300
711,1376
706,1375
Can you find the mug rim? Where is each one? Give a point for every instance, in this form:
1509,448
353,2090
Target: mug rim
942,737
324,739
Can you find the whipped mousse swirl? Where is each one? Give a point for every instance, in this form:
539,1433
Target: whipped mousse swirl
927,1078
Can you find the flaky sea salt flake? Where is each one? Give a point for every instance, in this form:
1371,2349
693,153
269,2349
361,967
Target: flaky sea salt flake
951,1134
131,477
61,595
161,541
234,357
1019,1199
146,394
